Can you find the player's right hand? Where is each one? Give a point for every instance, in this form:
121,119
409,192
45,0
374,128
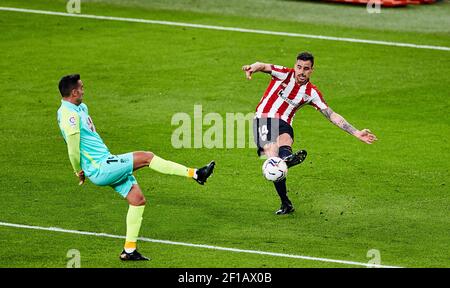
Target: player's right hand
81,177
248,71
367,136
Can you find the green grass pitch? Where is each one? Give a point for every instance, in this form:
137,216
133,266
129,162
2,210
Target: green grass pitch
350,197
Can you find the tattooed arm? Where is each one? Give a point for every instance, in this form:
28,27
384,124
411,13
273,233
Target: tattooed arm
364,135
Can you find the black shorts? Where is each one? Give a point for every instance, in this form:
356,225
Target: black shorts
267,130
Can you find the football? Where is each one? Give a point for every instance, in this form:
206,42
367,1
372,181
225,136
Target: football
274,169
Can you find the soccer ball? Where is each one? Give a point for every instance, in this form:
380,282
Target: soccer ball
274,169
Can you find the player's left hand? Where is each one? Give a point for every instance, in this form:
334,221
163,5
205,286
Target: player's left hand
366,136
248,69
81,177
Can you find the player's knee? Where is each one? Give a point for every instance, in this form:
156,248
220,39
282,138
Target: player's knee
142,201
148,157
138,201
285,139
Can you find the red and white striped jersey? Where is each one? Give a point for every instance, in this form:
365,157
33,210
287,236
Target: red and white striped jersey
283,96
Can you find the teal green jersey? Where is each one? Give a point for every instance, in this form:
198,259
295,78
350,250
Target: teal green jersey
73,119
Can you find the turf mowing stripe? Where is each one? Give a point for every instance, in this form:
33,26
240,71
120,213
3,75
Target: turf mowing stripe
222,28
55,229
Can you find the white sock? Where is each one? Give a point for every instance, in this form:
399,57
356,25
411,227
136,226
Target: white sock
130,250
195,174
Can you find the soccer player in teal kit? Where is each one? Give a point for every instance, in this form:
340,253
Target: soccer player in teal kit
91,158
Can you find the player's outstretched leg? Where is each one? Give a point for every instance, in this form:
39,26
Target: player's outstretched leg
142,159
134,220
294,159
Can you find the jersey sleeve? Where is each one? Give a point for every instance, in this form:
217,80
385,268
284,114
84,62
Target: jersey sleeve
70,125
73,149
317,100
279,72
70,122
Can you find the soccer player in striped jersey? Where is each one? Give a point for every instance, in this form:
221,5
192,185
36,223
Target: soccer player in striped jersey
289,90
91,158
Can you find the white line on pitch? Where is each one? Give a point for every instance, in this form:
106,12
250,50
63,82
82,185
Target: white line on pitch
55,229
235,29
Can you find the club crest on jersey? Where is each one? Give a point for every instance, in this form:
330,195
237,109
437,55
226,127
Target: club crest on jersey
72,121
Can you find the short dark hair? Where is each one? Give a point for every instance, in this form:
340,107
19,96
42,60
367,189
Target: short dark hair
67,84
306,56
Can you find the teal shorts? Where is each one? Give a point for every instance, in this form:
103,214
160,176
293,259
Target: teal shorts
116,171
